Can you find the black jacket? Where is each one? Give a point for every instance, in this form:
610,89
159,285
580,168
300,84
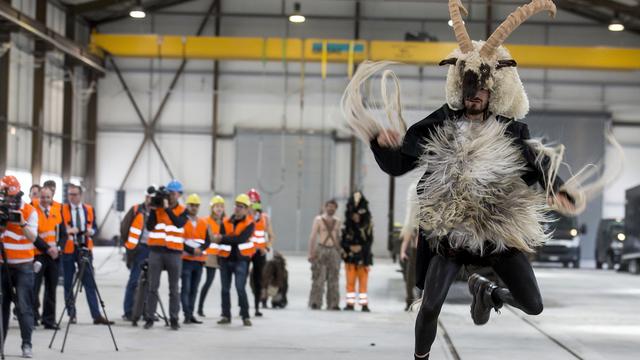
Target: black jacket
358,234
397,162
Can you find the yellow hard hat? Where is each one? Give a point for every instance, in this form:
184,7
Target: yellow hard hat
193,199
217,200
243,199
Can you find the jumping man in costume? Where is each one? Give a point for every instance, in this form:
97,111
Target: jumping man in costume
478,166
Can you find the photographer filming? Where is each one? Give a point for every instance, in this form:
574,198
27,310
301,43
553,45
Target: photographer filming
135,236
166,242
19,228
80,226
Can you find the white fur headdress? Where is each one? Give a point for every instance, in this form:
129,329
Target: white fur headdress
488,65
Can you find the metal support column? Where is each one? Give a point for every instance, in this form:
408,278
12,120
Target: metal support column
67,106
216,88
354,144
92,136
38,98
4,103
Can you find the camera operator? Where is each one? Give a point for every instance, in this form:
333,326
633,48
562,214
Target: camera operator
135,236
166,242
50,230
80,225
19,228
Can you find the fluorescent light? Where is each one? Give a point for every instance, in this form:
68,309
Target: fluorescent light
137,13
297,17
616,27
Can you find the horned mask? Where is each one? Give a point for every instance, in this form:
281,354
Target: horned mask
488,65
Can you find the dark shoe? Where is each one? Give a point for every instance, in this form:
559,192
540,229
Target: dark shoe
102,321
126,317
187,320
246,322
482,303
174,324
258,313
365,308
200,313
416,357
73,320
51,327
315,307
195,321
224,321
349,308
335,308
148,324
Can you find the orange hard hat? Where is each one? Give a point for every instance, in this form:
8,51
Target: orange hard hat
10,183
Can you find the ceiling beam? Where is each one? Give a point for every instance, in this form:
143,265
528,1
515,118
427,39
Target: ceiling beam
96,5
150,8
40,31
589,13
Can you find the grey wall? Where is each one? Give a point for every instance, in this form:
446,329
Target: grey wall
582,134
292,190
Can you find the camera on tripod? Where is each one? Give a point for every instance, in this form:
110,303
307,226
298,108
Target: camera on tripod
80,240
8,207
160,195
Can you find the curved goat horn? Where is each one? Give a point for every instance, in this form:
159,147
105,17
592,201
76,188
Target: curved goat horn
514,20
464,41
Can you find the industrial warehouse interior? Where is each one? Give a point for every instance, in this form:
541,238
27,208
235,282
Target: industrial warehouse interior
320,179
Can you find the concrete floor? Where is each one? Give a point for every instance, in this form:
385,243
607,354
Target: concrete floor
592,313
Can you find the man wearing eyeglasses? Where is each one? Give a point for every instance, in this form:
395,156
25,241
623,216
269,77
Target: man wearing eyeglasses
79,220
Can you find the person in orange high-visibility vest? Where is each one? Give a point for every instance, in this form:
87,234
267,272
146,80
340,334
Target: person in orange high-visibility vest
52,186
134,235
51,230
215,221
263,239
79,219
235,249
166,242
196,244
19,237
34,194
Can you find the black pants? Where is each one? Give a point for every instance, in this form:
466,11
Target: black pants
513,268
49,275
211,275
258,262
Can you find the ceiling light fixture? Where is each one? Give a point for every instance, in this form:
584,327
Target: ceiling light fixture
297,17
137,12
616,24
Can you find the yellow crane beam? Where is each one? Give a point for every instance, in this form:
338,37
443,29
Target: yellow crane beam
348,51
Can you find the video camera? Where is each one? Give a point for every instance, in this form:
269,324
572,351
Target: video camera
159,196
8,206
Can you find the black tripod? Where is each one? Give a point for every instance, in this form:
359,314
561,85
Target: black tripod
84,263
141,300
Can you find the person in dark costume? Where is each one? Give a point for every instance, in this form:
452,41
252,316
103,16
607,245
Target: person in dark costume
357,238
478,167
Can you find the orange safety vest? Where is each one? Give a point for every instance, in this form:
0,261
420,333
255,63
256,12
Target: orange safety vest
215,227
135,230
17,247
166,234
89,218
247,248
259,237
194,236
48,226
